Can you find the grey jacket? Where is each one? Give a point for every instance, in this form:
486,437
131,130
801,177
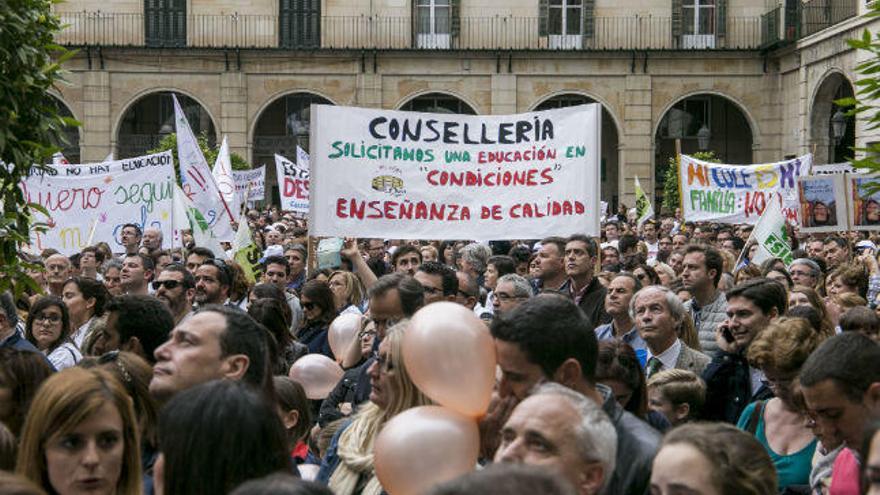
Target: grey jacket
706,319
637,443
691,360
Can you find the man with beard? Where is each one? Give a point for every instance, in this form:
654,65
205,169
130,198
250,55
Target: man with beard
152,239
550,272
175,287
213,281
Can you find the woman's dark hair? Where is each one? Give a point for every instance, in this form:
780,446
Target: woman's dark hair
378,266
617,361
653,278
321,296
21,372
92,289
261,291
503,264
275,315
442,249
199,460
292,397
281,484
38,307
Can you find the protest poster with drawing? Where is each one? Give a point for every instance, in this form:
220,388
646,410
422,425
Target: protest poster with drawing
95,200
714,192
409,175
864,202
822,201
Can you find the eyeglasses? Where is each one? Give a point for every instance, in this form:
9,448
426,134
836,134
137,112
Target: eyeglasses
502,297
366,333
43,317
168,284
308,306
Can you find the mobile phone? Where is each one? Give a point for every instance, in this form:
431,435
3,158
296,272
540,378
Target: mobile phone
725,332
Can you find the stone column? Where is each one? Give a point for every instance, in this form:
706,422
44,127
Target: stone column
503,94
369,90
637,152
233,112
97,137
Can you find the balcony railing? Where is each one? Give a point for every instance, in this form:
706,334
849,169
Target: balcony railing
817,15
365,32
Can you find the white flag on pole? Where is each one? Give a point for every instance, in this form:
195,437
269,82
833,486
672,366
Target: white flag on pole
644,210
225,181
772,237
198,181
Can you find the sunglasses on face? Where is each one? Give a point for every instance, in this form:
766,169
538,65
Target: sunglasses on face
168,284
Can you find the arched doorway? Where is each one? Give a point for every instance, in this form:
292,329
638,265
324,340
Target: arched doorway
609,162
69,144
438,103
702,122
280,128
148,120
831,131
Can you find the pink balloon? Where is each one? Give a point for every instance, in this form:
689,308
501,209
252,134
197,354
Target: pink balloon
450,355
317,373
424,446
343,331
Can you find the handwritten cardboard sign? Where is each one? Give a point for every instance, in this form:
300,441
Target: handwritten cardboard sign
293,184
381,173
250,182
713,192
103,196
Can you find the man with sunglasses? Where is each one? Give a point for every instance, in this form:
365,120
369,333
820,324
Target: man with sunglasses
176,288
438,280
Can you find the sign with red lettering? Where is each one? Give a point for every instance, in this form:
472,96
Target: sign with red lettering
102,197
293,184
714,192
409,175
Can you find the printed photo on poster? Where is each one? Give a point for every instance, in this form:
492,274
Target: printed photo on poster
822,203
865,202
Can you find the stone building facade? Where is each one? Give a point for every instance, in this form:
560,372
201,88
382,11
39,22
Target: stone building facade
755,81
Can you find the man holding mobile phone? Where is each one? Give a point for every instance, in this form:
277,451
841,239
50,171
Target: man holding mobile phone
731,383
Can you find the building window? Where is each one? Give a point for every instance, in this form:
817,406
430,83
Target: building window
438,103
165,23
565,23
434,23
698,23
685,118
300,23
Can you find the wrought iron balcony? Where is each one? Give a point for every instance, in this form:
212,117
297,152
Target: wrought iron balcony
636,32
789,23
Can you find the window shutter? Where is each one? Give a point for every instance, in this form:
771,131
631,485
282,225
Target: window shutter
587,18
455,21
414,23
676,21
721,18
543,17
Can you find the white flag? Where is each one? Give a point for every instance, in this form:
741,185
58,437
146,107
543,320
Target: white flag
198,182
225,181
644,210
772,237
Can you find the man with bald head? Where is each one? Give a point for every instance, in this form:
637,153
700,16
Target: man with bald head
57,273
152,239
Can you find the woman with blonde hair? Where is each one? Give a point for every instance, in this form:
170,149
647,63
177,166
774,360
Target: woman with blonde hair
348,466
779,424
81,435
348,292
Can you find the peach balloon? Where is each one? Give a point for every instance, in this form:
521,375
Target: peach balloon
424,446
343,331
450,355
317,373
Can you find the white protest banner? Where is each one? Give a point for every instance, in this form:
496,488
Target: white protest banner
254,179
222,173
832,168
197,180
380,173
713,192
293,185
103,196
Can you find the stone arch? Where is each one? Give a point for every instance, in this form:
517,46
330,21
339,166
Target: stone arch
273,98
606,106
750,119
70,149
418,94
610,181
212,129
833,84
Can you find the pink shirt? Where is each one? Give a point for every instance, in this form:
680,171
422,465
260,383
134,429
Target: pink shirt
845,474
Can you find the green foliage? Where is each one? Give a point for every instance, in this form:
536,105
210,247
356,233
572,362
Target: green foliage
30,64
169,142
867,94
671,200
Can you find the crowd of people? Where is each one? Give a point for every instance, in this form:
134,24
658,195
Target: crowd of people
659,358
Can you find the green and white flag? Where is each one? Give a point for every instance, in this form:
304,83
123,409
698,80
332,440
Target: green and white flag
644,210
246,253
772,237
